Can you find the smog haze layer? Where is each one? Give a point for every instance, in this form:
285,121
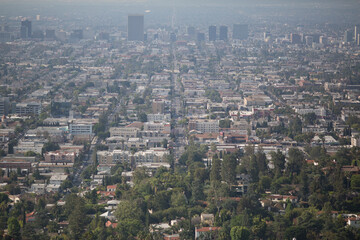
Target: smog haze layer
200,12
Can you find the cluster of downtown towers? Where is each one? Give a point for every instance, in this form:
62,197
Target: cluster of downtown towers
136,31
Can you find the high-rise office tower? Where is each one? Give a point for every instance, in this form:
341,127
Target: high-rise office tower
172,37
295,38
191,32
212,33
323,40
25,31
4,106
267,35
356,33
5,34
348,36
302,37
136,27
316,37
309,40
4,28
223,35
240,31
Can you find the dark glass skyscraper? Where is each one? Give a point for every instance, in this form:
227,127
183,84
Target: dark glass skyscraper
348,36
25,31
136,27
295,38
223,33
212,33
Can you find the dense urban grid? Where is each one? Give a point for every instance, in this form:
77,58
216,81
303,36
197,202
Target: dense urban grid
179,131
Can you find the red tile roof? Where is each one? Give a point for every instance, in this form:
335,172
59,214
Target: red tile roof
207,229
110,224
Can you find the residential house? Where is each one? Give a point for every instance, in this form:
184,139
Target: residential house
206,231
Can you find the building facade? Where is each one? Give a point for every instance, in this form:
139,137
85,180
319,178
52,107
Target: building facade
136,27
212,33
223,35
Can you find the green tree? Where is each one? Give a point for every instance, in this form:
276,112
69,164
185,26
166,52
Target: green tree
304,179
295,127
2,153
213,95
192,154
28,232
241,220
295,161
217,192
92,196
66,184
259,229
101,125
265,182
75,208
197,190
14,228
310,118
30,154
178,199
261,161
171,160
128,229
41,219
253,168
86,174
213,147
50,146
36,174
296,232
164,143
224,233
139,175
225,123
129,210
215,169
355,182
228,170
142,117
239,233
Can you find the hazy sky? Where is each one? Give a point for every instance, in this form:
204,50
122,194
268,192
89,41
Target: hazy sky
191,2
189,11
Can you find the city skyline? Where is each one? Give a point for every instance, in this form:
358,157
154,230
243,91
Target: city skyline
182,120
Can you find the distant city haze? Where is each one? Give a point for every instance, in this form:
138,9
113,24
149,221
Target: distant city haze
186,11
